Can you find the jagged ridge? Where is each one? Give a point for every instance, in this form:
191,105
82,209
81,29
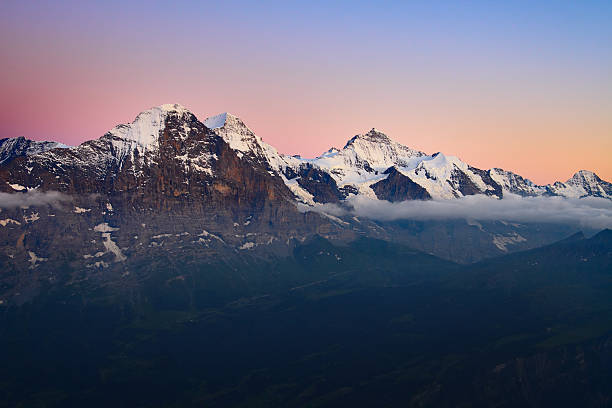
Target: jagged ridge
354,169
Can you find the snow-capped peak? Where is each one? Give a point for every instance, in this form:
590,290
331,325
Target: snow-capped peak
584,176
376,150
20,146
330,153
244,141
173,107
583,183
591,184
373,136
224,120
146,127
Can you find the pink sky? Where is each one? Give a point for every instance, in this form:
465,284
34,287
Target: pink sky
519,91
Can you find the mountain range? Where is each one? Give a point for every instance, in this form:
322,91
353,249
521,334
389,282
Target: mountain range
370,164
170,184
178,262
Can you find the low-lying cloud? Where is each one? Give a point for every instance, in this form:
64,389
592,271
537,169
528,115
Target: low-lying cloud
590,212
32,198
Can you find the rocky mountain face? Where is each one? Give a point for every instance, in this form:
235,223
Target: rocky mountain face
164,184
368,159
168,185
398,187
364,161
20,146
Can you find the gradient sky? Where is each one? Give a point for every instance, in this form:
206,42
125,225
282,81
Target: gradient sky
518,85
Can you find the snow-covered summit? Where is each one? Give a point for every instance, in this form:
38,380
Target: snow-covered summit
582,184
330,153
146,127
173,107
225,120
234,131
376,150
584,177
20,146
246,143
373,136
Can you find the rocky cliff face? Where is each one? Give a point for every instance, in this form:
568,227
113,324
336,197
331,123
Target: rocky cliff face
163,184
398,187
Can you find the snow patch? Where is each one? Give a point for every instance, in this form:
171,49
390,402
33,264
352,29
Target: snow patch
17,187
98,264
35,260
109,244
217,121
474,223
7,221
247,245
502,241
207,234
32,217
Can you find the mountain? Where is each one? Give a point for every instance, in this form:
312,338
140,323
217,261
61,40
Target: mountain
168,184
364,161
583,184
164,184
20,146
179,262
373,157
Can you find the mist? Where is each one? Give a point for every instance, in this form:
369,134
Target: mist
32,198
590,212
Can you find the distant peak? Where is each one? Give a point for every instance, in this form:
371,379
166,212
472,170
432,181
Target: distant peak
374,136
20,146
18,140
584,175
163,110
330,153
221,120
173,107
160,112
146,127
581,173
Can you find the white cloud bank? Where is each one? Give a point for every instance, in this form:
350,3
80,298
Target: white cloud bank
588,212
32,198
